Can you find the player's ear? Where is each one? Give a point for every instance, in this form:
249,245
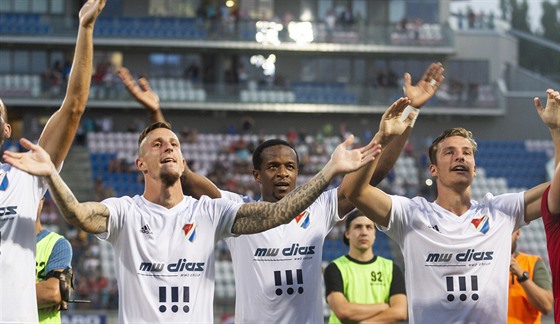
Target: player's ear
141,165
7,130
433,170
257,176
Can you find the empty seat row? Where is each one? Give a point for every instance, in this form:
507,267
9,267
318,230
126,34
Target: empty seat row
267,96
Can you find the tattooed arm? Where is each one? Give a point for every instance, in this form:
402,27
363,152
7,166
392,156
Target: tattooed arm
91,217
261,216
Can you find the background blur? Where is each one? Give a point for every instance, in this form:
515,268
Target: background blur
232,73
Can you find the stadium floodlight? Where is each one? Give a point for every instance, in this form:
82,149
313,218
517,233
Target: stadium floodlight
301,32
267,32
267,64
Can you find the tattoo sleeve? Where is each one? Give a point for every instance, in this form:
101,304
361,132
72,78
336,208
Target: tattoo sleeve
91,217
260,216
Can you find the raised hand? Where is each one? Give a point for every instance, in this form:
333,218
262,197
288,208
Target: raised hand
141,90
425,89
392,123
550,114
36,162
348,160
90,11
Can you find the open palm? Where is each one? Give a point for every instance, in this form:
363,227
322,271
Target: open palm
141,90
348,160
36,162
392,124
426,88
550,114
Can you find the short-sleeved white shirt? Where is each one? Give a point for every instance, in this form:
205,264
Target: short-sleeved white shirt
278,272
20,194
456,267
165,257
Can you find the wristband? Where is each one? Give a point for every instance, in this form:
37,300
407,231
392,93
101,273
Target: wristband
407,111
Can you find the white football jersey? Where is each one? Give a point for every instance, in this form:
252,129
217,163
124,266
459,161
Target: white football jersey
278,272
165,257
456,267
20,194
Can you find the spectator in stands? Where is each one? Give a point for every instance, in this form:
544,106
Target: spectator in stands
46,81
275,168
530,292
330,23
156,233
459,248
22,193
346,18
471,17
491,22
460,18
53,272
192,73
362,286
550,210
56,79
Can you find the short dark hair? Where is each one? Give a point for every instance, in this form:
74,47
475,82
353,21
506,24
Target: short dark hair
457,131
150,128
349,218
257,155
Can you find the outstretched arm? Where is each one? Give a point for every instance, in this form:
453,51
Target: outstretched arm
550,115
553,202
91,217
61,128
374,203
260,216
197,185
419,95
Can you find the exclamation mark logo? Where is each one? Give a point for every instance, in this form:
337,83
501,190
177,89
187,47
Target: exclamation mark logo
278,282
174,299
450,289
289,281
462,288
474,287
299,274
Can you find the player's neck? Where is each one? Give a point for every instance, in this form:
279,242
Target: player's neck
166,196
359,255
455,201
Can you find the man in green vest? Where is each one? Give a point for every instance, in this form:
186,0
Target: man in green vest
361,286
53,272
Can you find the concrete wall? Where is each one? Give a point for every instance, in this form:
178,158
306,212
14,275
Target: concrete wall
498,48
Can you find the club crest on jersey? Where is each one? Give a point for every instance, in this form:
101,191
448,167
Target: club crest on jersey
190,231
303,219
481,224
3,180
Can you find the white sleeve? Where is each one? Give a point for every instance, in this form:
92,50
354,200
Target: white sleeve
222,212
233,196
117,207
511,204
398,218
330,198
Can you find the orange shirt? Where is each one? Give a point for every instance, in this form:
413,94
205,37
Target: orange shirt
520,310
